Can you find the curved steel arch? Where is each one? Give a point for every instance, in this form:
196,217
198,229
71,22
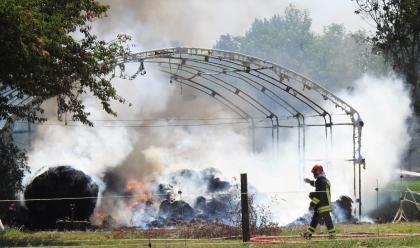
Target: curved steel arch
217,64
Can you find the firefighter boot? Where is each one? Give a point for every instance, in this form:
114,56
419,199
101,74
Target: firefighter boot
309,232
307,235
332,234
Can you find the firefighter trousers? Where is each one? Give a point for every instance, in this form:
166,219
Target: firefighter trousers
327,219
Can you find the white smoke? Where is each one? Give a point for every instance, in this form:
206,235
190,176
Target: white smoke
200,23
154,152
94,149
384,104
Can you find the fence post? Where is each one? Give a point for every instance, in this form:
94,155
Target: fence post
244,208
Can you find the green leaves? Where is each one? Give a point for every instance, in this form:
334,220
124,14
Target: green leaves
42,59
13,165
397,36
335,58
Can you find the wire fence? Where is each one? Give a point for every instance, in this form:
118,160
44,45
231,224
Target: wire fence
158,195
392,206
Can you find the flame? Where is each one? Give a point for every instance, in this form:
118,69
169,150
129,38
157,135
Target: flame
131,185
98,217
140,191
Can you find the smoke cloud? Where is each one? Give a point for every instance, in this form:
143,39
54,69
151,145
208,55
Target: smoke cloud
162,23
384,104
148,154
152,154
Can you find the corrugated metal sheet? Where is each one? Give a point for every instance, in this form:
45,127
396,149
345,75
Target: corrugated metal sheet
2,124
13,99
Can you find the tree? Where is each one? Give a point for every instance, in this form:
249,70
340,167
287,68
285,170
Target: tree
397,37
228,42
338,58
41,57
281,38
13,165
334,58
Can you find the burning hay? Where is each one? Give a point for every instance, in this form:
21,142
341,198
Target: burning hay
182,197
192,201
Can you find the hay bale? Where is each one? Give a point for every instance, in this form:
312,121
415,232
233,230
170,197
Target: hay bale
60,182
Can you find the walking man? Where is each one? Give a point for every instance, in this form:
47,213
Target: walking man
320,202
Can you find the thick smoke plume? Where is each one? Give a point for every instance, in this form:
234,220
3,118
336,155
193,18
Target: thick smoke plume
384,104
151,155
139,157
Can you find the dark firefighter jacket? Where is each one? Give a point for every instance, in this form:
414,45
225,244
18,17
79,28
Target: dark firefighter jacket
321,198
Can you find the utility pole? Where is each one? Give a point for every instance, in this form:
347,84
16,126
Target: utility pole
245,208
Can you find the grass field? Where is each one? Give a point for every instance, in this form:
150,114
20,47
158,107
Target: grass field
408,236
413,184
357,235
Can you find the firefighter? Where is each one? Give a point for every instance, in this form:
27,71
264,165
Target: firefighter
320,202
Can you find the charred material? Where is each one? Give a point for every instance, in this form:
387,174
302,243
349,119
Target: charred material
182,197
72,225
172,213
202,209
342,213
213,209
178,210
343,210
59,182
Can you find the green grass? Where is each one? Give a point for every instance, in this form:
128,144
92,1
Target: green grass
373,242
411,227
138,238
413,184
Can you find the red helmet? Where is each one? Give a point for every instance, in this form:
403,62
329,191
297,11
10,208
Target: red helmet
317,169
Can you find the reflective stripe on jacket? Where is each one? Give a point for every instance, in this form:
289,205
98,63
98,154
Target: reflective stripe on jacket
321,198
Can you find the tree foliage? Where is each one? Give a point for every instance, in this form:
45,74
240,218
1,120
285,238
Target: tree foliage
334,57
48,51
397,36
41,57
12,167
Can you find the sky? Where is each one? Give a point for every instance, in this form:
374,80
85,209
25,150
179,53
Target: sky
199,23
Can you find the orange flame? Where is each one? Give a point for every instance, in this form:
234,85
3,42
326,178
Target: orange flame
140,191
98,217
